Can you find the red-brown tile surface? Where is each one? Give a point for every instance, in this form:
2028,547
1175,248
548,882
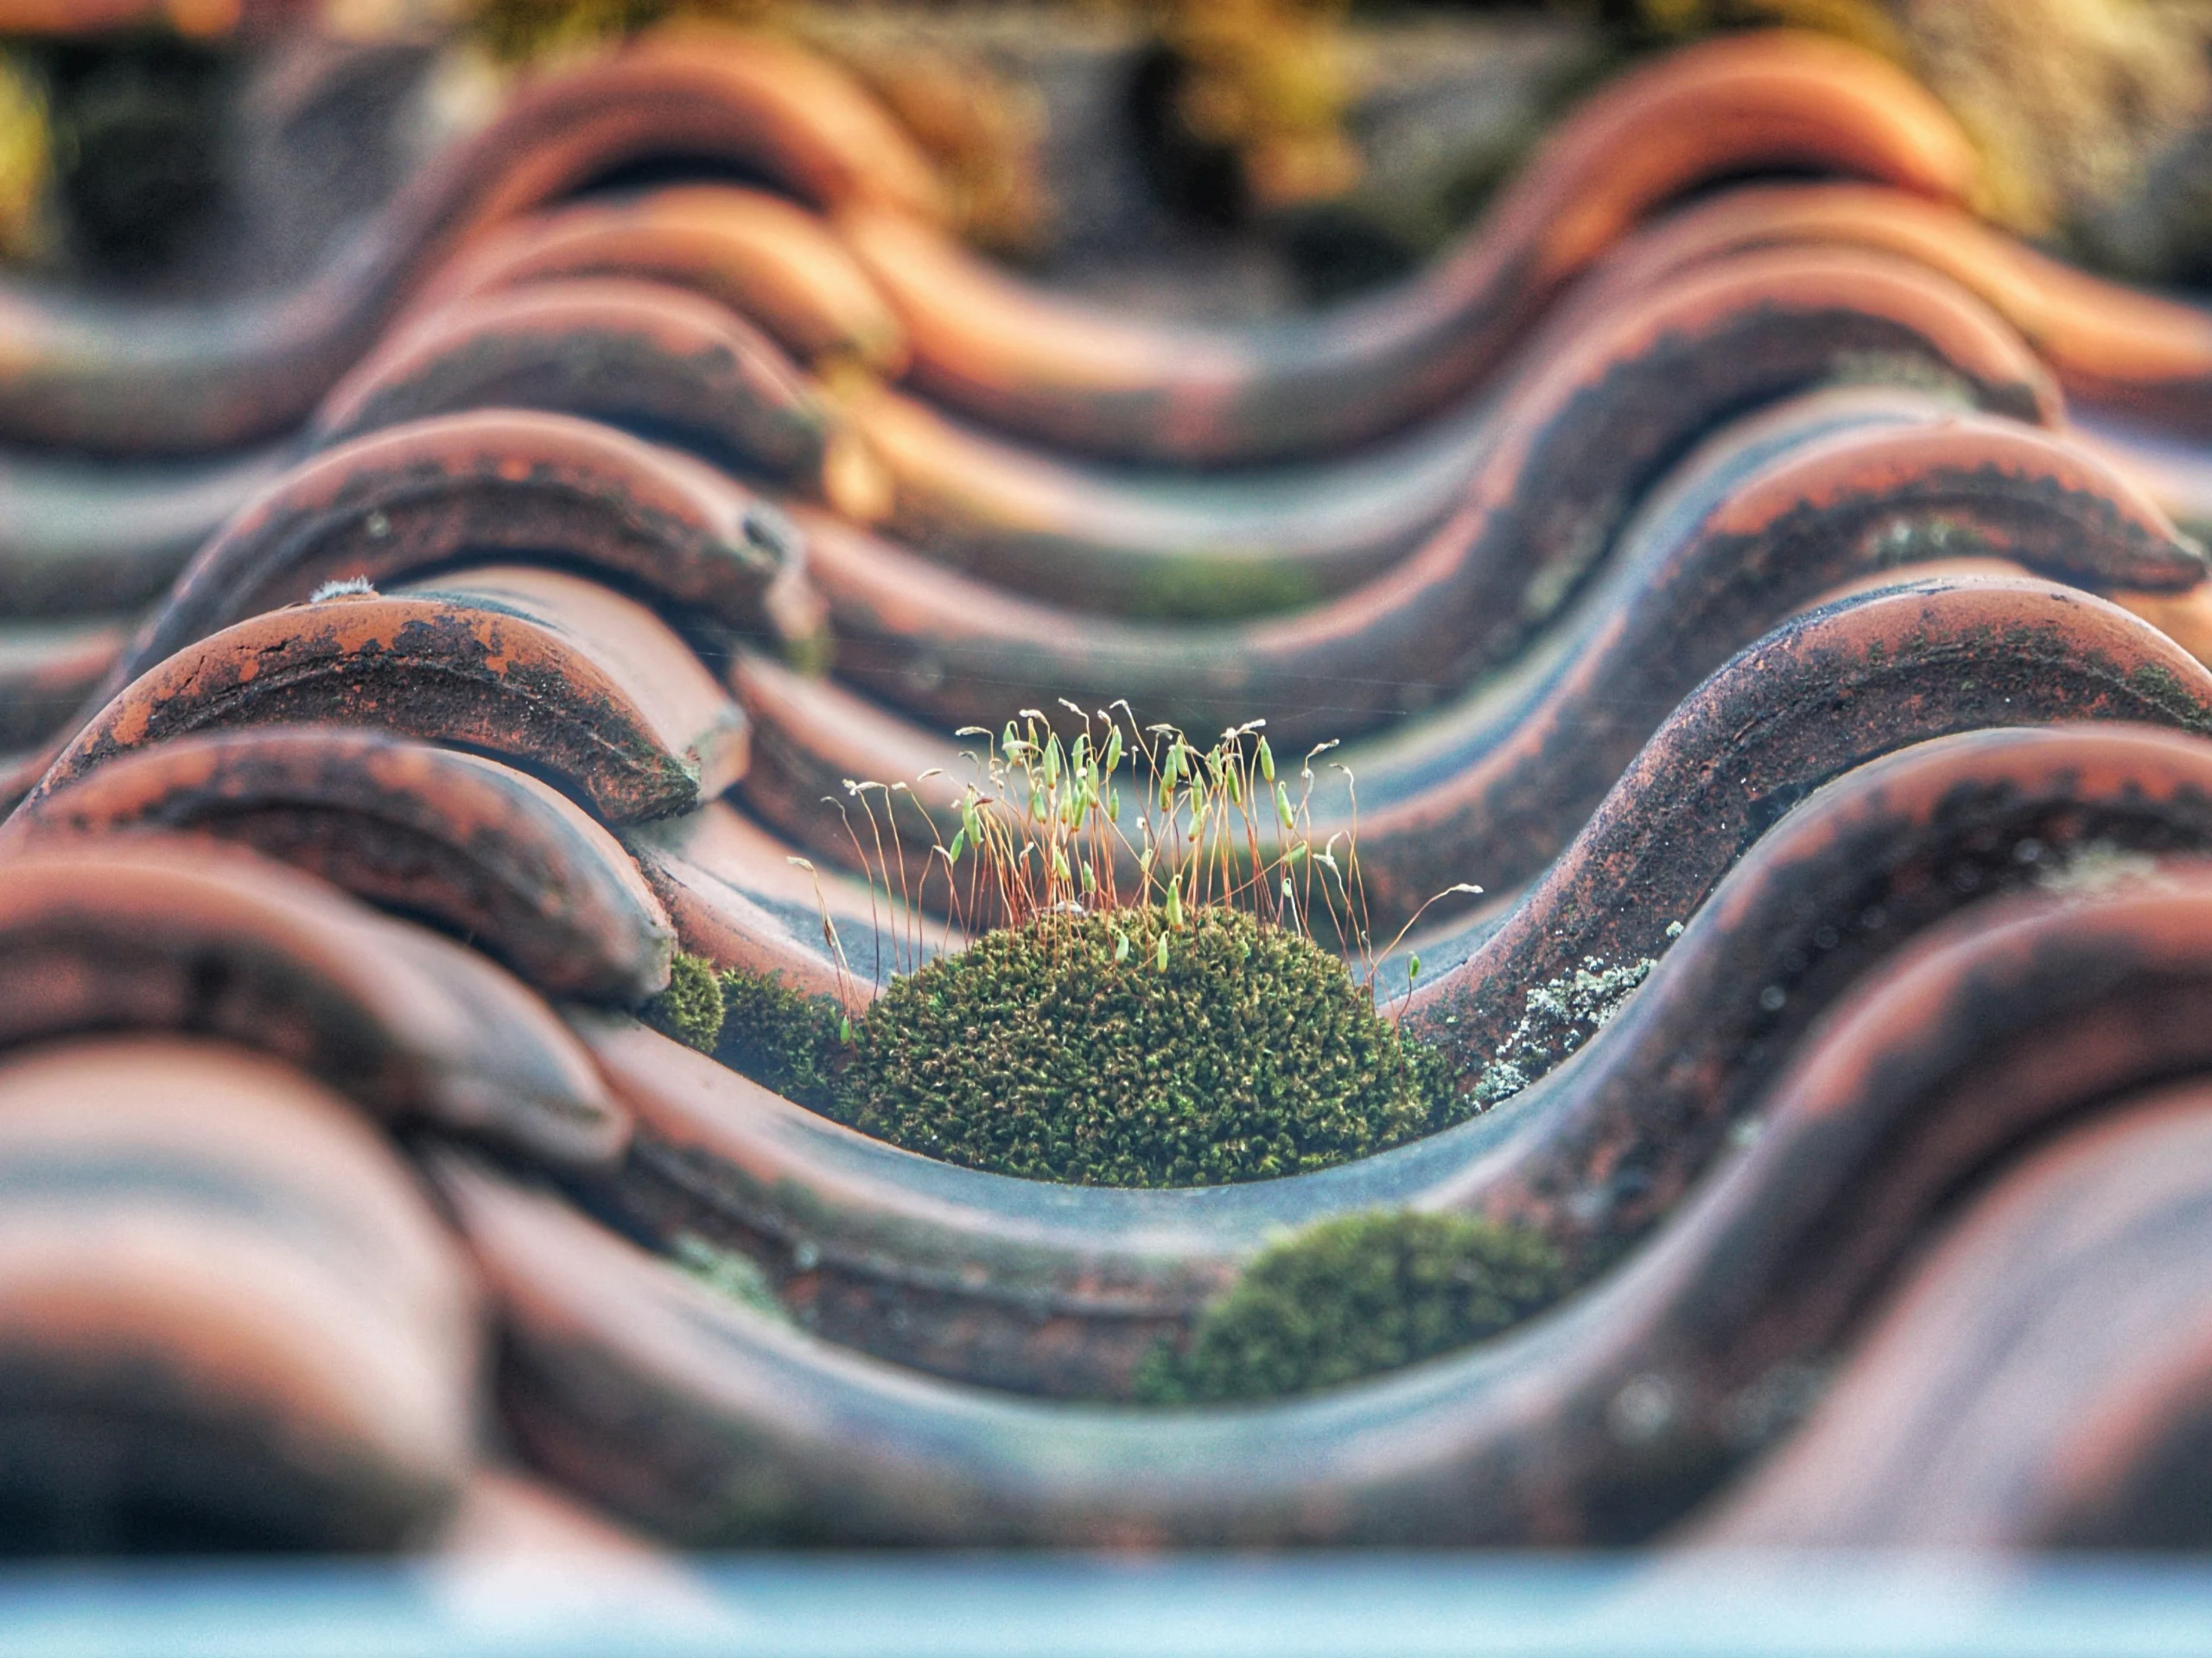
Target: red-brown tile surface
1116,385
1918,481
546,668
1906,853
116,377
1548,476
49,668
2111,347
629,353
2042,1381
484,851
489,484
228,1314
765,258
146,933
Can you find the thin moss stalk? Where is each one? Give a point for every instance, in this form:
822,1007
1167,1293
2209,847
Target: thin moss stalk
1357,1296
1113,815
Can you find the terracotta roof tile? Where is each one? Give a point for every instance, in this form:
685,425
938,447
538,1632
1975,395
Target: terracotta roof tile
546,668
484,851
230,1315
1749,613
630,354
764,258
140,932
2027,1387
416,498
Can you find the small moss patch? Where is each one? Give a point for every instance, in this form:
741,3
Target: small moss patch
1064,1050
1067,1049
690,1009
1354,1297
782,1038
729,1272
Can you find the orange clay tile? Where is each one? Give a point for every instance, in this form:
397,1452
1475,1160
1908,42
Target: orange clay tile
149,933
546,668
229,1317
478,848
1100,381
768,260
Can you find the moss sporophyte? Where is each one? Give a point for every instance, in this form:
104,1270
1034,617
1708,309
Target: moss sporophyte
1146,1005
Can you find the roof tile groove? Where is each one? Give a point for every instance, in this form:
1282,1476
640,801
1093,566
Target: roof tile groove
47,669
142,932
543,669
228,1315
1918,483
1532,488
483,851
1918,1080
1712,574
1055,1290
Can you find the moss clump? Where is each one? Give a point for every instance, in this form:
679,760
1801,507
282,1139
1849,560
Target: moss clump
754,1023
690,1009
729,1272
1068,1050
1355,1297
782,1038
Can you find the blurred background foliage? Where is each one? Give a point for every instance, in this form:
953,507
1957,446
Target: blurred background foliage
1351,137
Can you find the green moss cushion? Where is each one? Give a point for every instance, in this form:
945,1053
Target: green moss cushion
1355,1297
1066,1051
788,1041
690,1009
